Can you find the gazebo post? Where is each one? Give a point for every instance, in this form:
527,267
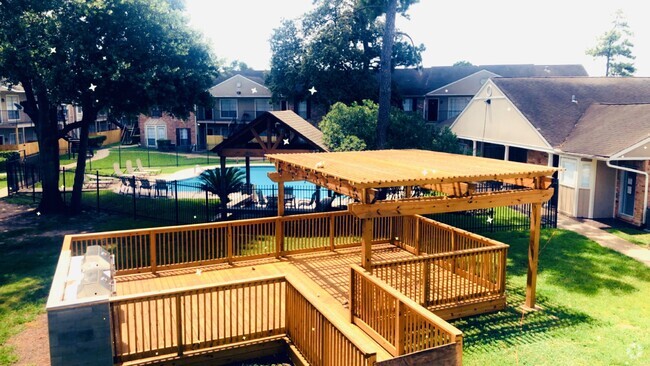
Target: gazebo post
533,254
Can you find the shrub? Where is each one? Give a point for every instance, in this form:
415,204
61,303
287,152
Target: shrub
5,156
95,142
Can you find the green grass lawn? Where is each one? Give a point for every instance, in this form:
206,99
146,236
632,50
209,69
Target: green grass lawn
168,162
635,236
30,251
595,308
3,180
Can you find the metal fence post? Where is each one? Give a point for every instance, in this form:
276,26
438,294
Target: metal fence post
176,149
207,207
33,186
63,170
176,199
97,181
135,214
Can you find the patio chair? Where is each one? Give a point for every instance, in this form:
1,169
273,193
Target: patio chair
141,168
261,200
133,172
161,186
116,170
145,184
308,203
127,184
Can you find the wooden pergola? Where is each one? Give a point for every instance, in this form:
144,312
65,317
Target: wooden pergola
360,174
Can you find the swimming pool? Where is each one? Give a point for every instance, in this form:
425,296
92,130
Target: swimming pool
259,177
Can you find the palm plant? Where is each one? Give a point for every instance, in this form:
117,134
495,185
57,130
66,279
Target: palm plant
232,179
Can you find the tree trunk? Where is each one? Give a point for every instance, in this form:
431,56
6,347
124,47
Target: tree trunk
43,114
79,175
383,115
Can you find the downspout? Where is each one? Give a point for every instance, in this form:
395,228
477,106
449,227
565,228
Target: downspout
645,193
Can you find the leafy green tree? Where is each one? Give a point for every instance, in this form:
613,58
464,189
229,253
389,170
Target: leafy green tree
121,56
231,181
347,128
335,48
462,63
613,45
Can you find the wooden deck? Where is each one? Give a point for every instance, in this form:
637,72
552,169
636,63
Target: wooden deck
325,274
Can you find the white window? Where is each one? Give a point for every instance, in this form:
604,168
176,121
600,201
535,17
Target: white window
228,108
585,174
155,133
407,104
302,109
569,174
261,106
79,109
456,105
12,107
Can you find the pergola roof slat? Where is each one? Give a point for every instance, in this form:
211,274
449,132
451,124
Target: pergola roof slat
386,168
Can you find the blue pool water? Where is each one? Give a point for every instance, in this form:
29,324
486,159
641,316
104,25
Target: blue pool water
259,177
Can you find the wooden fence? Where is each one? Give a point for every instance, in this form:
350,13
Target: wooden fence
176,322
394,321
138,251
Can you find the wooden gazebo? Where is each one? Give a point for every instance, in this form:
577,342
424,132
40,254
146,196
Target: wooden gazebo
360,175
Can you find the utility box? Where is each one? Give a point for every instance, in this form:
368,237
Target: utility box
96,258
95,282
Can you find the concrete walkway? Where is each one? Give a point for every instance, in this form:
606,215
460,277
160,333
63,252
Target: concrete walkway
594,231
99,154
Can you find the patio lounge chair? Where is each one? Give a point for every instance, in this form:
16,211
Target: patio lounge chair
141,168
133,172
161,186
91,181
116,170
145,184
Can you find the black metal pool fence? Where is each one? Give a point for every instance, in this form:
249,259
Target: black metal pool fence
179,202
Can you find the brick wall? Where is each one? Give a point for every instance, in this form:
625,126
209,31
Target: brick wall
80,335
171,123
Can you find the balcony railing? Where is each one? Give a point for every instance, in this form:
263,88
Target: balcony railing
13,116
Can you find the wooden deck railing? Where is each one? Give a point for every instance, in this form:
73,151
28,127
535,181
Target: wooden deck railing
175,322
396,322
419,234
447,280
149,250
321,339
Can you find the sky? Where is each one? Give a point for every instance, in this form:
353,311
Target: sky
481,32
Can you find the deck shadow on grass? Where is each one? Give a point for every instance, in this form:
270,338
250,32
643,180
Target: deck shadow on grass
574,262
510,327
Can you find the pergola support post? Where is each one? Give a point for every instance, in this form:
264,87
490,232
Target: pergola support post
533,254
280,198
366,243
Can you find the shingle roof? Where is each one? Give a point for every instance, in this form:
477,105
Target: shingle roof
413,82
301,126
547,102
604,130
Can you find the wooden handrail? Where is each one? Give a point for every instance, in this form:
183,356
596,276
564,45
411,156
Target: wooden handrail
124,307
364,347
427,257
412,305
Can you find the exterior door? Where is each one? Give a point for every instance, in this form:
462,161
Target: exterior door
183,137
432,110
628,188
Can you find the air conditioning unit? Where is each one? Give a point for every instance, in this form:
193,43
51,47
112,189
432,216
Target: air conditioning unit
95,282
97,258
